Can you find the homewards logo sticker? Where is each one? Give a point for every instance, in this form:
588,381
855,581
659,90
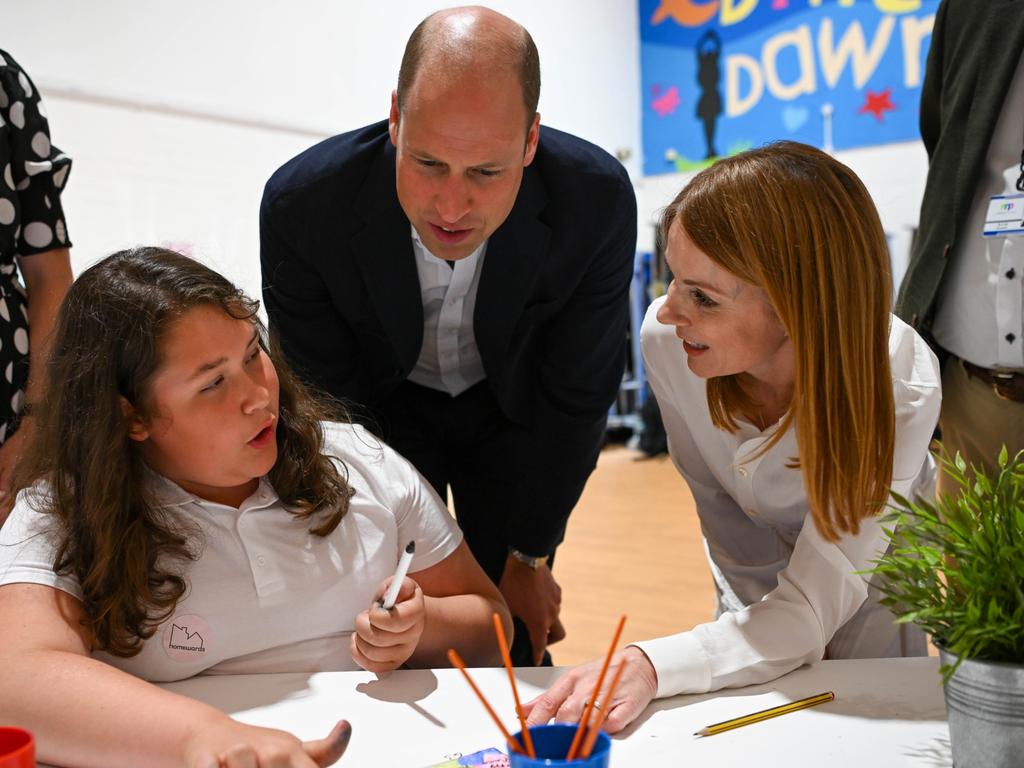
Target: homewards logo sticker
183,640
187,638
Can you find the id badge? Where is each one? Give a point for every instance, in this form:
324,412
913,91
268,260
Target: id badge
1004,216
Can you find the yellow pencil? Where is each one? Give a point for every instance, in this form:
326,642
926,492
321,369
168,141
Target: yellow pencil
782,709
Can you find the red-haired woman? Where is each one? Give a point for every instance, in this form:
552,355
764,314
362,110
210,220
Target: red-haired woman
793,402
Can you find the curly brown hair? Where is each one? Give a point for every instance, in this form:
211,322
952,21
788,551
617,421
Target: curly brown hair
127,554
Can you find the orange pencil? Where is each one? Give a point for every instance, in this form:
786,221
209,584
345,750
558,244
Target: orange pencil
595,728
456,661
585,717
499,630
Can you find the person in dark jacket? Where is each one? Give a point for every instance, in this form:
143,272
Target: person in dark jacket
462,274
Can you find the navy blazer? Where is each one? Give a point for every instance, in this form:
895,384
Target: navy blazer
342,293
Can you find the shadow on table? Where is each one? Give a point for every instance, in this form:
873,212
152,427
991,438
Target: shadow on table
259,691
936,753
253,691
414,686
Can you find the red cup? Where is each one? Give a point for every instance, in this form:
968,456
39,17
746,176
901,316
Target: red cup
17,748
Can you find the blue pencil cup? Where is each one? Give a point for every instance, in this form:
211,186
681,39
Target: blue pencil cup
552,742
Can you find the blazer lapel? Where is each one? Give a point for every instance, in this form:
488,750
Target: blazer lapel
515,254
383,251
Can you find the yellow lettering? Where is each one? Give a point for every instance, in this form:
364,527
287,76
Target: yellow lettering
735,11
799,38
914,30
898,6
852,47
735,104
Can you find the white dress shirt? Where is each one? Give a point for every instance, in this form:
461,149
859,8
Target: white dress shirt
978,313
787,596
449,360
265,594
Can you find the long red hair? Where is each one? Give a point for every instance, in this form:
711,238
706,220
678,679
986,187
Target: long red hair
799,224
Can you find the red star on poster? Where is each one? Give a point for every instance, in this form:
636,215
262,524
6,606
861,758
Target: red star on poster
877,103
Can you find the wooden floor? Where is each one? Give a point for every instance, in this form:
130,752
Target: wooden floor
633,546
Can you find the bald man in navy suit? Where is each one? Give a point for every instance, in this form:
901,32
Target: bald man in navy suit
462,275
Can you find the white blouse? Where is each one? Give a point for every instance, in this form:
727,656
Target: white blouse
787,596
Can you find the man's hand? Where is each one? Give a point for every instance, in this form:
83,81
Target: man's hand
534,597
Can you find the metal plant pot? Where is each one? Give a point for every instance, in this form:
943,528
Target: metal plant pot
985,705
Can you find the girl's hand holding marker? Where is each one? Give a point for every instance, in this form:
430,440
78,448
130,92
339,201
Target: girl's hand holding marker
387,634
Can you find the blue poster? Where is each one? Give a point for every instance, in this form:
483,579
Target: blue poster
722,76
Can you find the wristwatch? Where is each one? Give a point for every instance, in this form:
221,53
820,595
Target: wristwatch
530,560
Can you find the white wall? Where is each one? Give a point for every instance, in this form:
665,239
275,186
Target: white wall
894,175
176,113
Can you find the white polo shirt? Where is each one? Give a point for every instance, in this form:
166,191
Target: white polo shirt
787,596
266,595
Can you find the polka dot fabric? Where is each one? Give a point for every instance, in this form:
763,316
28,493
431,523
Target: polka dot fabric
32,174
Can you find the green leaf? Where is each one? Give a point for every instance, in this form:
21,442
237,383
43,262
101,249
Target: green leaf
960,463
954,566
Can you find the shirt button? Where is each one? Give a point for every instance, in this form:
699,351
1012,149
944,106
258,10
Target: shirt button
452,302
261,560
1010,338
743,471
1011,273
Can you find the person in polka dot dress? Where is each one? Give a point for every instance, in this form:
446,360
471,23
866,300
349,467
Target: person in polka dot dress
33,241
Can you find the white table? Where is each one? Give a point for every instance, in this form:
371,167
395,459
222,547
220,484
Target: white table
887,712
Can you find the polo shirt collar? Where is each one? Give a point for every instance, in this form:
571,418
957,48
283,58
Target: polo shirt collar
167,493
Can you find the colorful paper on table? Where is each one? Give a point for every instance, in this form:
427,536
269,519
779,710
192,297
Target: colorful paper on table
485,758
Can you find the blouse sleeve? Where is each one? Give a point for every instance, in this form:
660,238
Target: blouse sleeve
32,171
819,590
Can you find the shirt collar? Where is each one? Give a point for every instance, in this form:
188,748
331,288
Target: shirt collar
167,493
424,252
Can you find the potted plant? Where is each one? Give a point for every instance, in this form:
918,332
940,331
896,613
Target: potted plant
955,568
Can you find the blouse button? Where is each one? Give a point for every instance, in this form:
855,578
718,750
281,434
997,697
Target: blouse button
261,560
742,471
